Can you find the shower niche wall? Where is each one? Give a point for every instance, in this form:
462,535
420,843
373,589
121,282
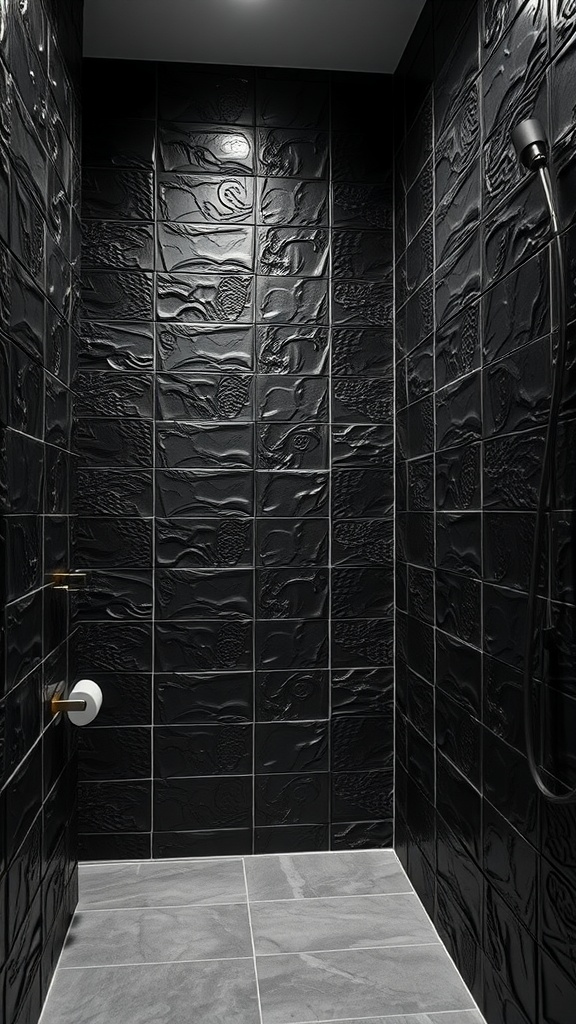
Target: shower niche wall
234,429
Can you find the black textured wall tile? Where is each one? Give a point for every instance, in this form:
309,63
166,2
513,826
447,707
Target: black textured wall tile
361,796
458,146
512,467
362,303
203,397
508,540
282,446
457,214
292,542
361,255
362,542
117,194
189,804
517,389
183,348
459,282
115,753
122,346
291,838
361,493
459,543
508,787
292,300
419,201
112,492
511,237
114,806
361,692
365,835
292,153
458,478
362,642
291,696
415,429
291,747
201,93
127,699
459,804
557,991
193,148
233,842
353,161
291,399
290,202
188,544
420,484
212,645
117,595
206,299
362,400
458,737
415,645
291,799
201,446
118,295
291,493
121,245
361,591
114,846
457,348
355,740
503,701
181,493
108,646
510,864
119,143
415,538
199,249
203,750
511,76
203,593
183,699
103,543
290,644
512,952
292,594
362,206
113,442
504,624
281,350
205,199
360,445
293,252
360,353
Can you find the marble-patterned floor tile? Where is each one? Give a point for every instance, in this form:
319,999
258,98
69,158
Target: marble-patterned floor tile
206,993
453,1017
345,922
165,884
359,983
350,873
107,937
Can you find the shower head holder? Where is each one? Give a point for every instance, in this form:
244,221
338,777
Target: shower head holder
530,143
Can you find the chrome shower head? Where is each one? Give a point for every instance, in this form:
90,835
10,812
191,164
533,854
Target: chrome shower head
530,143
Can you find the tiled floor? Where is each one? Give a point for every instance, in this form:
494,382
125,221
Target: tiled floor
266,940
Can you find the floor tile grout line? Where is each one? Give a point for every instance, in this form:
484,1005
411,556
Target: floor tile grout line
253,944
80,908
387,1016
386,851
154,963
254,956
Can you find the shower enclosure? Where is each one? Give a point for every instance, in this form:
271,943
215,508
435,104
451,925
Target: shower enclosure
275,481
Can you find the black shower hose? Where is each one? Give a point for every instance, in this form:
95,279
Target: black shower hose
546,501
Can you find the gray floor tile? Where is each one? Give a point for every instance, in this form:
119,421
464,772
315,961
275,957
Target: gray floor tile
351,873
153,884
359,983
458,1017
345,922
107,937
206,993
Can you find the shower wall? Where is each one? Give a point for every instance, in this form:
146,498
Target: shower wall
234,430
493,863
39,248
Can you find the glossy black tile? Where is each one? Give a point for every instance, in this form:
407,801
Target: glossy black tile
193,148
292,542
183,751
291,799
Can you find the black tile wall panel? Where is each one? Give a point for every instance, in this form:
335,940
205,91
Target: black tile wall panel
233,508
489,857
40,48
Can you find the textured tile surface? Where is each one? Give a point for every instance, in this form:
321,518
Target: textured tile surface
178,884
339,923
335,874
329,986
108,937
155,994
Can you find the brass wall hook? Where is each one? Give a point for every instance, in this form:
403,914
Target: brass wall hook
59,703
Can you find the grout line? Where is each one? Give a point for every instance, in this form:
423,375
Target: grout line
240,903
156,963
253,945
387,852
386,1016
352,949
